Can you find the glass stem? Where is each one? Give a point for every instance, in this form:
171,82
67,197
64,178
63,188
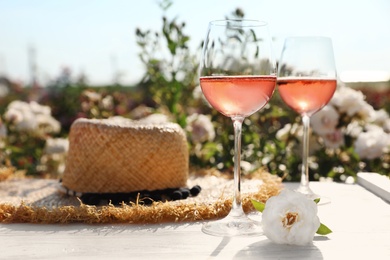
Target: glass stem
237,210
305,155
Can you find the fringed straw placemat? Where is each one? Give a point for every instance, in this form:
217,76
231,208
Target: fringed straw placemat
39,201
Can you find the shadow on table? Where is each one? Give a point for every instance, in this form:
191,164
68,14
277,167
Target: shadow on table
102,229
267,250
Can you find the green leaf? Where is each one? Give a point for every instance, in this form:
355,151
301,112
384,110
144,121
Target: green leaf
317,200
259,206
323,230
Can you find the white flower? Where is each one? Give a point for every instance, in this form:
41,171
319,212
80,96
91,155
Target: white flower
325,121
351,102
386,126
296,130
200,128
380,117
290,218
56,145
154,119
141,111
283,133
31,117
354,129
54,157
334,140
347,100
92,95
38,109
289,129
197,92
367,112
373,143
47,124
28,124
107,102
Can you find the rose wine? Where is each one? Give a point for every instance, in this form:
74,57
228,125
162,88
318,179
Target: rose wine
306,96
238,95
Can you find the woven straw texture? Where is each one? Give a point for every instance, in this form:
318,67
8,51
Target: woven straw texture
39,201
108,156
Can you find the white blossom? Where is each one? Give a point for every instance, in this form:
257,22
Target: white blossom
92,95
28,124
289,129
56,145
380,117
200,127
141,111
296,130
352,102
283,133
367,112
197,92
334,140
325,121
155,118
31,117
48,124
54,157
386,126
107,102
354,129
372,143
38,109
290,218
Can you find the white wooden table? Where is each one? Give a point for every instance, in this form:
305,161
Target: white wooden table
360,221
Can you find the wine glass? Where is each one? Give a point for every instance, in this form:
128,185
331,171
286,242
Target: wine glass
237,77
306,83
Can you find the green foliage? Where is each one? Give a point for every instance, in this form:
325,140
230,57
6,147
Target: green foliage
323,230
169,80
169,86
258,205
25,150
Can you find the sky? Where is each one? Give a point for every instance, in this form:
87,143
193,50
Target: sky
97,37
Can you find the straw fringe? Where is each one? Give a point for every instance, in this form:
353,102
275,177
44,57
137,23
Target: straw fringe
136,213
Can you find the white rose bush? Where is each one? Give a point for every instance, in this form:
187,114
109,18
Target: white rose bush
347,136
290,218
26,129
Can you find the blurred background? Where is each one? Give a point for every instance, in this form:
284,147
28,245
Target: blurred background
66,59
96,39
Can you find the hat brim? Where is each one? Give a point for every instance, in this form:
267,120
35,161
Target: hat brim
39,201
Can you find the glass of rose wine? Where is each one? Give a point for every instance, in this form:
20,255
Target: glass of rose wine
237,77
306,83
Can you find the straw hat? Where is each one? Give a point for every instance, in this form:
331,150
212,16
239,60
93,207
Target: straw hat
119,155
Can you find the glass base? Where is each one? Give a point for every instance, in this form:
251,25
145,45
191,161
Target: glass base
311,195
233,226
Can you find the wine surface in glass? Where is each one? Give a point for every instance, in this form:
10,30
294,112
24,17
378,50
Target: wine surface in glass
306,95
238,95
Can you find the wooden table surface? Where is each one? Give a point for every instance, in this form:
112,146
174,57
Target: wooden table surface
360,221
